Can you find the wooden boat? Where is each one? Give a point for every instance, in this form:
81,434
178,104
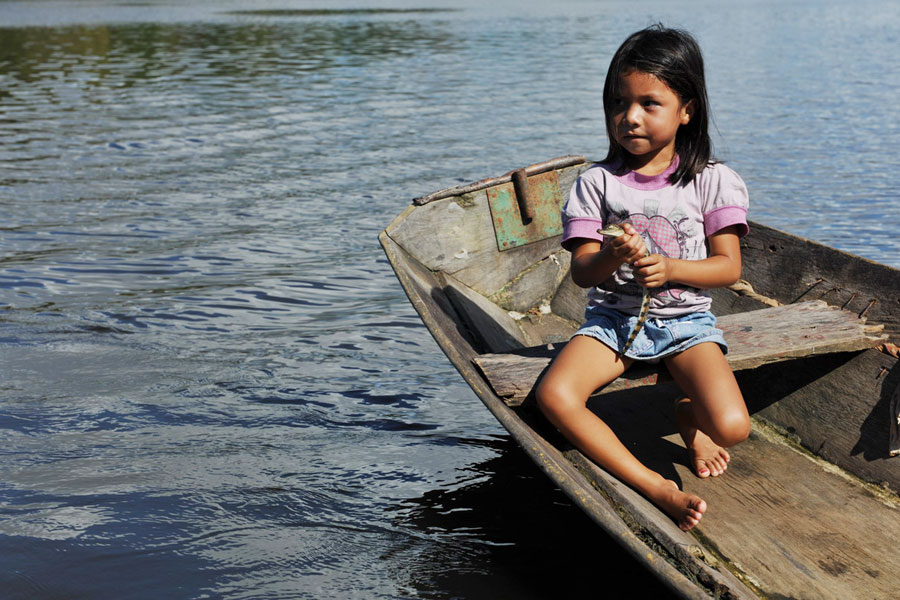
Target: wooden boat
809,506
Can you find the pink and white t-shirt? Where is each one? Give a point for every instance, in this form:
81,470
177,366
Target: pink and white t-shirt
674,221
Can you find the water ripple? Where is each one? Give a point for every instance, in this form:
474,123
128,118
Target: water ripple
210,370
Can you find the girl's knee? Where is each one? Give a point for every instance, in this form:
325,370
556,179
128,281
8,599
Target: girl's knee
553,399
732,429
546,396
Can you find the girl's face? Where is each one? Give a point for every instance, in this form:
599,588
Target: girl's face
645,118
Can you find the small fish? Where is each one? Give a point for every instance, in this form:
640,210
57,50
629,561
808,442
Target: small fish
615,231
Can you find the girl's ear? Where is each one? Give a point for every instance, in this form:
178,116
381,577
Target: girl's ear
687,111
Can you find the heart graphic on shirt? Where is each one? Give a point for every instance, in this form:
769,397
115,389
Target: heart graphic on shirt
664,237
660,231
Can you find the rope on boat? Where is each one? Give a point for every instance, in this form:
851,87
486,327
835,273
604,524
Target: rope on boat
743,288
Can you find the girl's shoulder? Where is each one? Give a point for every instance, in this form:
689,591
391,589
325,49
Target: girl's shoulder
598,172
718,183
724,199
718,172
595,180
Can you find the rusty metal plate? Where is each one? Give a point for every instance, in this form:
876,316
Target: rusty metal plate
545,200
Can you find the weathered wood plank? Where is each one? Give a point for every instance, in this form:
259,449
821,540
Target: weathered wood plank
513,375
570,300
469,251
792,269
794,525
838,407
534,285
755,338
894,420
548,328
784,519
858,431
702,566
492,327
426,295
791,331
728,302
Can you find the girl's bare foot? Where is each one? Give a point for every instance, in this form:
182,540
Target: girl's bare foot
707,459
685,509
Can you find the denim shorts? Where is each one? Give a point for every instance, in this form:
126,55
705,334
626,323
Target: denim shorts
658,338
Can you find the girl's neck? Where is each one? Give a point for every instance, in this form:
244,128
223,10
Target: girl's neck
642,181
653,163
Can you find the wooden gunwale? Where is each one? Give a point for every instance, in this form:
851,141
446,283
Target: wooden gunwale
468,188
689,564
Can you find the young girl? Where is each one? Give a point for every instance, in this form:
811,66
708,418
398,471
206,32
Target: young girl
682,214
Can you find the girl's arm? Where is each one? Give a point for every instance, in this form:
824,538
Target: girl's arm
720,269
593,262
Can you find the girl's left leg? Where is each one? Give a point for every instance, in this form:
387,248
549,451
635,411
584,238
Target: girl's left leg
713,416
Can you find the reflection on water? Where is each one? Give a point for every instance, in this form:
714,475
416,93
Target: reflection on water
209,370
508,533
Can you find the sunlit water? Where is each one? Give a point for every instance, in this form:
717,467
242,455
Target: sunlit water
212,385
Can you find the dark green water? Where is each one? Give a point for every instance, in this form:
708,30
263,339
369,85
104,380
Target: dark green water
213,386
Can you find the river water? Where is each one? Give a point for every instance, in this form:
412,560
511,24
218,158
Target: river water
212,384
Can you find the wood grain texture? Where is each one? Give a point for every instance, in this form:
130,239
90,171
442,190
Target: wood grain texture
837,407
570,300
792,269
786,520
792,524
425,293
534,285
894,421
491,326
703,566
548,328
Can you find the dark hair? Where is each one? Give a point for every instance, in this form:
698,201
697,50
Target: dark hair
674,57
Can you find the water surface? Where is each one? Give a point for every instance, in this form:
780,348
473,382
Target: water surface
213,385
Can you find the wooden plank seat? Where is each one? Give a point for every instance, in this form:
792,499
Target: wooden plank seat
755,338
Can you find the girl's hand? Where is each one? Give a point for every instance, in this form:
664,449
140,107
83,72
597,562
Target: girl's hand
652,271
629,247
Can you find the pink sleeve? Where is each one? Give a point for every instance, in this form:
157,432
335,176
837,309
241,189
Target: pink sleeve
725,200
580,227
582,215
726,216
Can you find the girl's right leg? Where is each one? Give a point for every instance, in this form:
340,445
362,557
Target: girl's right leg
582,366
